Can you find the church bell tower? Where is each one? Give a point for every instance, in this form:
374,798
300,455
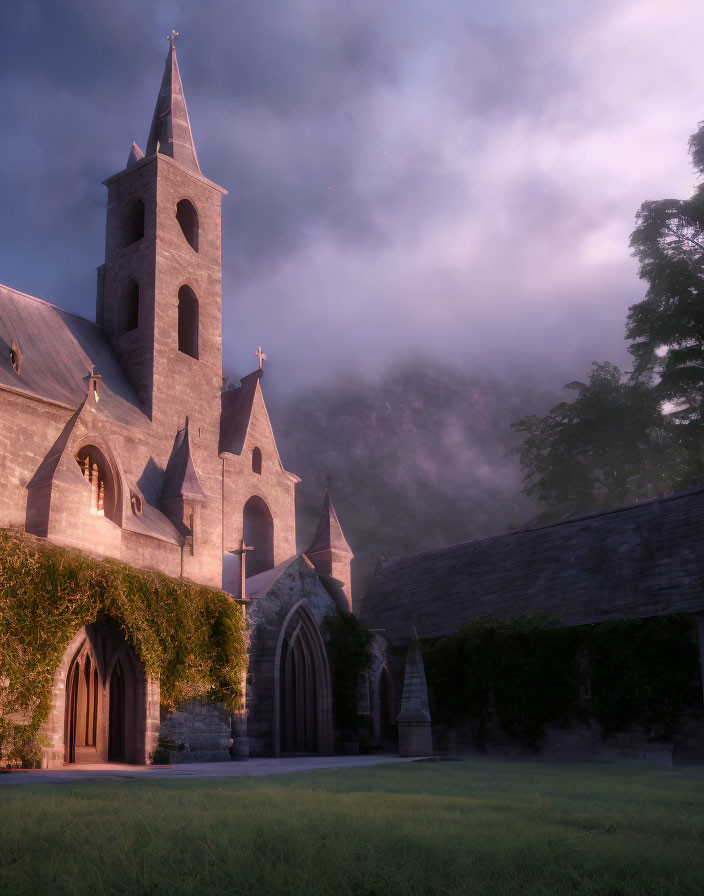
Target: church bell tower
159,290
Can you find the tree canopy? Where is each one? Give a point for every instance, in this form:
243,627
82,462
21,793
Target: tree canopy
625,437
609,445
666,328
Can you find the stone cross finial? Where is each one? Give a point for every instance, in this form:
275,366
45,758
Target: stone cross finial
172,36
261,355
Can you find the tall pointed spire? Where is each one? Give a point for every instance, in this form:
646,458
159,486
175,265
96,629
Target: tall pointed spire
170,133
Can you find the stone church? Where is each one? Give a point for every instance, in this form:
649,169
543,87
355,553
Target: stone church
119,440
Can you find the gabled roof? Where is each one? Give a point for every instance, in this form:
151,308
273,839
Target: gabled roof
259,585
328,534
58,351
58,463
170,133
153,523
236,413
180,477
644,559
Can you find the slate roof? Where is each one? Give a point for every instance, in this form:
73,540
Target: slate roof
328,534
152,522
236,412
644,559
58,351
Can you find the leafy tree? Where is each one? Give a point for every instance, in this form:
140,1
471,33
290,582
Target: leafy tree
666,329
610,445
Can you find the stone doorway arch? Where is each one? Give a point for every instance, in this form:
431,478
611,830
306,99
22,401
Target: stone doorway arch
104,708
302,688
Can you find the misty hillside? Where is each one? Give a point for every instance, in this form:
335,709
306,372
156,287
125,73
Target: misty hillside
417,460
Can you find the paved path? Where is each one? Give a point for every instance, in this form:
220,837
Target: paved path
243,769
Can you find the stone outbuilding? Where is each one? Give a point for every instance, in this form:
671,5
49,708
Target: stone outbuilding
637,561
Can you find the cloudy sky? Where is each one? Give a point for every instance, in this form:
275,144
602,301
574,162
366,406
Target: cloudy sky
450,178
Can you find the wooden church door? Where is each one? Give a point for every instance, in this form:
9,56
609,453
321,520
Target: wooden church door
299,728
83,708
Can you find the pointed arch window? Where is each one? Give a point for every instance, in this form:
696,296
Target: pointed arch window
99,476
187,217
187,322
257,461
133,225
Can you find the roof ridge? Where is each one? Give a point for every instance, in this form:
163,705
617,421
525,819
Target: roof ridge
620,508
26,295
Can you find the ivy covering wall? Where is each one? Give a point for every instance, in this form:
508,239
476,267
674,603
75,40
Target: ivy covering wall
349,649
530,672
190,637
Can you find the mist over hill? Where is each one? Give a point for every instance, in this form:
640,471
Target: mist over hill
418,459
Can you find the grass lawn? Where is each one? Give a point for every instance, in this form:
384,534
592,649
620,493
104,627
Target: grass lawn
422,828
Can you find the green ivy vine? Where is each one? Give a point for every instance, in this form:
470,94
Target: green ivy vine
639,672
190,637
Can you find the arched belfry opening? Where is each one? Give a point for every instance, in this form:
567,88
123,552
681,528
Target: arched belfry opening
303,688
257,461
187,217
105,698
258,532
187,321
133,223
128,311
98,472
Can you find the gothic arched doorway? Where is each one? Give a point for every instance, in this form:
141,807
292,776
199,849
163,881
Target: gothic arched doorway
105,703
84,692
304,694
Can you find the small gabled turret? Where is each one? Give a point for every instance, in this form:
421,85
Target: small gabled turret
331,555
170,133
181,491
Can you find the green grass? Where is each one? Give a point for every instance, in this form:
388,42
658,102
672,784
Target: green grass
422,828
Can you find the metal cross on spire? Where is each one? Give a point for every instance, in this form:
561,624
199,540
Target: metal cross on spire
261,355
172,36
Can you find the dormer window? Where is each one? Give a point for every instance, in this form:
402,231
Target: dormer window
16,357
257,461
187,217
